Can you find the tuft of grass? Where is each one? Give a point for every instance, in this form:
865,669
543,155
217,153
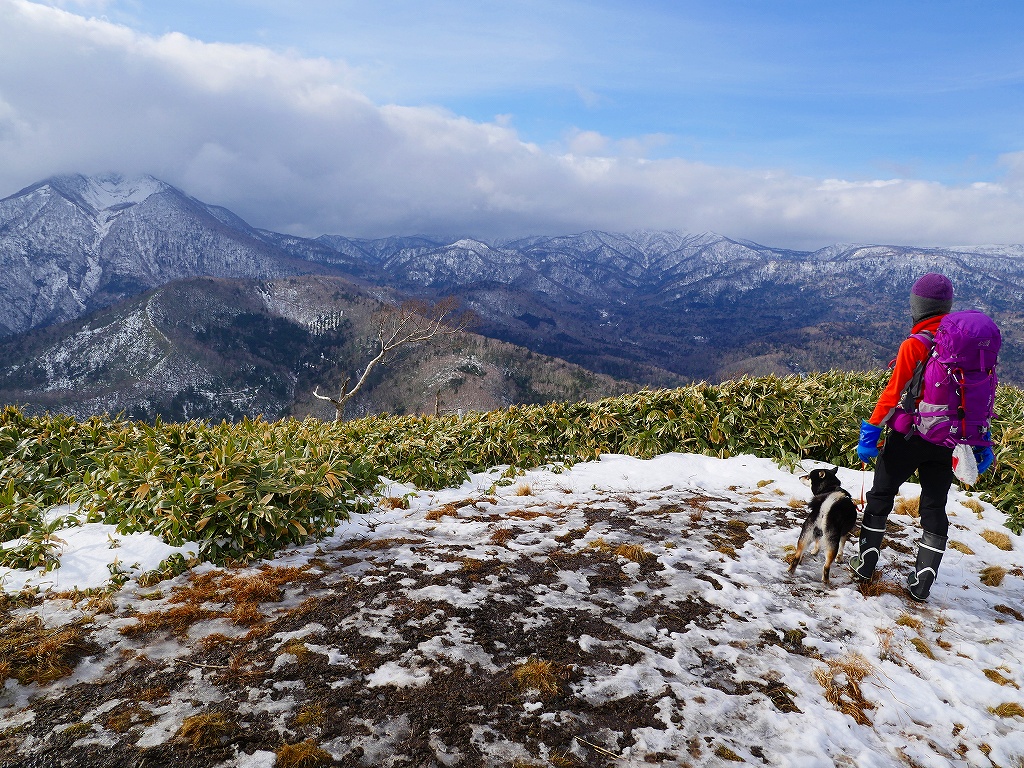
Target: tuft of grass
795,503
305,754
997,539
31,652
725,753
841,679
393,502
123,719
634,552
881,584
539,675
993,575
207,729
311,714
1008,709
763,483
1008,611
959,546
298,649
975,506
998,678
888,650
911,507
246,615
178,620
906,620
451,510
922,647
600,545
523,489
501,536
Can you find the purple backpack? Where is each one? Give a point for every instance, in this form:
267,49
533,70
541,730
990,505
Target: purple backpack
951,397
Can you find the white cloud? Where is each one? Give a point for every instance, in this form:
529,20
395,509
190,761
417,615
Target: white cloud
289,144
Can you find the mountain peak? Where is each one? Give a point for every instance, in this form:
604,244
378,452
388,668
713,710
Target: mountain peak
106,191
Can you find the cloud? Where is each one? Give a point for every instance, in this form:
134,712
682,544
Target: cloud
290,144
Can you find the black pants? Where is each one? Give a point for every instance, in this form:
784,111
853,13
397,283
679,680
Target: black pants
896,463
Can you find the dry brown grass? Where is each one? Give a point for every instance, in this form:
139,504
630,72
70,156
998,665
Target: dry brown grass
888,649
523,489
998,539
841,680
599,545
31,652
305,754
539,675
922,647
245,591
727,754
959,546
1008,611
178,620
1008,709
501,536
998,678
123,718
763,483
906,620
393,502
311,714
992,575
246,615
911,507
207,729
298,649
633,552
450,509
886,581
795,503
975,506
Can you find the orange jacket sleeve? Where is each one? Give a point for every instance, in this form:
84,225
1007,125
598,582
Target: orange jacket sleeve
911,352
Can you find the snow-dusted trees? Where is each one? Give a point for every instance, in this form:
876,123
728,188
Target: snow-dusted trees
411,322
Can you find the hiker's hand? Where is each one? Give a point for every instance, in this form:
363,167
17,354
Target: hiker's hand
984,456
867,448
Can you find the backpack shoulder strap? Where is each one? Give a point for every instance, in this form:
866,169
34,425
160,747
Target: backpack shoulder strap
912,391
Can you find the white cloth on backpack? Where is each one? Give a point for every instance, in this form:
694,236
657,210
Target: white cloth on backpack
965,466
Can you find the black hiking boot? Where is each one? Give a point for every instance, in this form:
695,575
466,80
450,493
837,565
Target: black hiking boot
872,529
929,555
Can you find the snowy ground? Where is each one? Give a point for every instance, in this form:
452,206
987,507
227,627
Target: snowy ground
402,639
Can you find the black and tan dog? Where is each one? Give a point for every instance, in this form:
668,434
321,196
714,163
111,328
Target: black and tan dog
831,516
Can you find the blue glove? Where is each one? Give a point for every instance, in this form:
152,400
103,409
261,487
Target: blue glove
984,456
867,448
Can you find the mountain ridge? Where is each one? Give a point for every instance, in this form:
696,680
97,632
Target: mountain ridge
649,306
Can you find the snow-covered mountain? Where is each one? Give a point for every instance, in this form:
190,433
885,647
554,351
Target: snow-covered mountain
630,305
71,244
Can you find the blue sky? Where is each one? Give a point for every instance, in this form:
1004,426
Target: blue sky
855,90
806,122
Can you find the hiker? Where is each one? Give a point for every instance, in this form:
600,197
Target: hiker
905,449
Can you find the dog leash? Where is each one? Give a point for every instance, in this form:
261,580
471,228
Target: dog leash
863,477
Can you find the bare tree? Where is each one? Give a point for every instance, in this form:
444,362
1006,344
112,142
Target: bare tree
411,322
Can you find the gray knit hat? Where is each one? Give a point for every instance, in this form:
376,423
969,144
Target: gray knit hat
931,295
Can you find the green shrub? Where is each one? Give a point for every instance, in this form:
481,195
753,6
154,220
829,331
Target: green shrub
244,490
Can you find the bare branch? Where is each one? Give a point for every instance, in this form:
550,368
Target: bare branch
412,322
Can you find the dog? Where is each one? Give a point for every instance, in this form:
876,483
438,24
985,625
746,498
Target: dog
831,516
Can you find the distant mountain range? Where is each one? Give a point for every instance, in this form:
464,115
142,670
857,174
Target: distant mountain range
216,348
651,307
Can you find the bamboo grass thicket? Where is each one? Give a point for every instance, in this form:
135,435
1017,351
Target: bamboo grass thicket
245,489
